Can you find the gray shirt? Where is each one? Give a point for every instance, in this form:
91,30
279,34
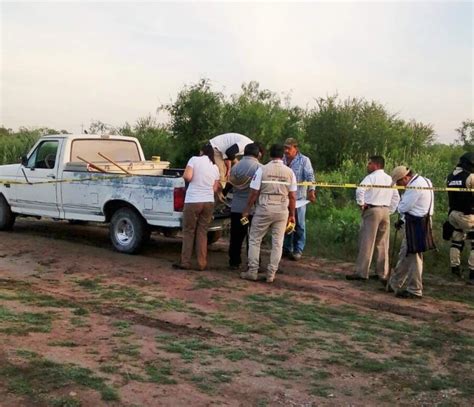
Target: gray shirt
243,173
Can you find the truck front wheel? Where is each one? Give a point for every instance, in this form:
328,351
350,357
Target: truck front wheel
128,231
7,217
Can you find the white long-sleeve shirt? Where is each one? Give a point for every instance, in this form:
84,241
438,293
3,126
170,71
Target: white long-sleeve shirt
417,202
378,196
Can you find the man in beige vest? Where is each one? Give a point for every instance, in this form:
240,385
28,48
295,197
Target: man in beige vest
274,185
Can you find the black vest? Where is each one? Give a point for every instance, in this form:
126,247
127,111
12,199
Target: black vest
460,201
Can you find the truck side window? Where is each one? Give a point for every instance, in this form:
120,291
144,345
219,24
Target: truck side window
44,156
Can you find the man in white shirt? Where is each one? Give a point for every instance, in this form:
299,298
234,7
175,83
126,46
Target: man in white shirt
274,185
419,203
376,205
227,147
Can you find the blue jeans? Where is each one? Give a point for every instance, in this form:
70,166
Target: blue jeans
295,242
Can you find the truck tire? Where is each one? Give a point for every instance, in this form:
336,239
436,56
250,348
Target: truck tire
213,236
128,231
7,217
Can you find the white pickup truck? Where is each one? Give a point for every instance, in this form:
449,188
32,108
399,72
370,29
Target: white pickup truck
99,179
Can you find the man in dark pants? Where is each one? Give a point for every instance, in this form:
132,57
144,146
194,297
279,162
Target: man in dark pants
461,214
240,177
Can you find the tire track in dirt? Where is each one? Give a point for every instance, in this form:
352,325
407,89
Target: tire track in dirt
117,312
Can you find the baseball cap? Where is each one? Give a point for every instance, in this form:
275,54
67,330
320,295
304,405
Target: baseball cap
399,172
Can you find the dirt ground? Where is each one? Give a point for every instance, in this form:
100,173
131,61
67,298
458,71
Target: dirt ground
83,325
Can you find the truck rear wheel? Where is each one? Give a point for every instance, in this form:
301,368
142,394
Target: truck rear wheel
128,231
7,217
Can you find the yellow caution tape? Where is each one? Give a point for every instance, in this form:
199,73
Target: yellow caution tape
315,184
343,185
65,180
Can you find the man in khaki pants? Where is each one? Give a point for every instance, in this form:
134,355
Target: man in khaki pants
274,185
376,205
417,203
461,213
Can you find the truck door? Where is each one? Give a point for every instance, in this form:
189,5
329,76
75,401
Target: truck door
40,196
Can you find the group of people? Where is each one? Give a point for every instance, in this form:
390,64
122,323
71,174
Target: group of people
416,209
274,195
265,197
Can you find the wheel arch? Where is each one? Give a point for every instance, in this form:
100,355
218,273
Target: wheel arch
114,205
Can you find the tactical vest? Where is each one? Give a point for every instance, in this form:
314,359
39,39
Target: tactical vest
460,201
276,181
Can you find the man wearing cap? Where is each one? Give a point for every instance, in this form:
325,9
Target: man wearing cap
240,176
227,147
461,213
417,203
301,165
274,185
376,205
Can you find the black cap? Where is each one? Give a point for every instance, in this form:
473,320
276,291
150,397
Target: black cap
466,161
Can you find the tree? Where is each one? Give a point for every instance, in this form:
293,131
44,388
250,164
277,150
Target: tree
196,117
466,134
261,115
355,129
154,138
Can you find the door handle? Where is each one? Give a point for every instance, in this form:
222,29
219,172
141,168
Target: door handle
51,176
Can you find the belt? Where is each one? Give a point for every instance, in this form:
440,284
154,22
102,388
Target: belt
376,206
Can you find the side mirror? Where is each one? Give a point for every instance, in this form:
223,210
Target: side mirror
24,161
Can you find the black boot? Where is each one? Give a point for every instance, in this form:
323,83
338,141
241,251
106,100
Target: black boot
456,270
471,277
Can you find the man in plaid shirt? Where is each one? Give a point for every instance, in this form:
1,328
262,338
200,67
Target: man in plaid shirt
301,166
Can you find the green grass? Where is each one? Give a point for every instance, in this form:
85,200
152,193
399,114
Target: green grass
24,294
130,298
207,283
66,344
38,378
128,349
22,323
89,284
110,369
65,401
187,348
80,312
79,322
160,372
283,373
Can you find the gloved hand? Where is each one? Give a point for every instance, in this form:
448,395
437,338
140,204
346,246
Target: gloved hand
398,224
290,228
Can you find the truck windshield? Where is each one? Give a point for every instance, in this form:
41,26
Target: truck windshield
117,150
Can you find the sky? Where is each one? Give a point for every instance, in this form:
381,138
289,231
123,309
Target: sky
64,64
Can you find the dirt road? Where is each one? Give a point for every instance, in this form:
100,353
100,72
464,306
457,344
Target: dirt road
83,325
